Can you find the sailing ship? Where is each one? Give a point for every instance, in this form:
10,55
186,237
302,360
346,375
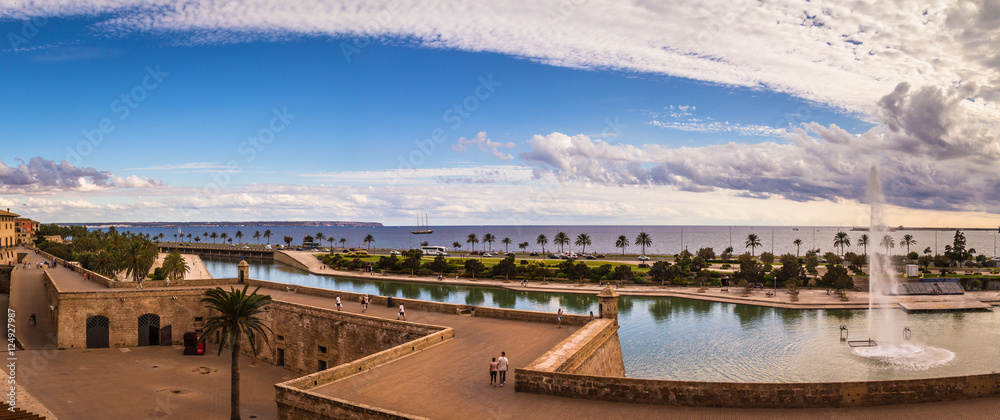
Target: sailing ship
425,229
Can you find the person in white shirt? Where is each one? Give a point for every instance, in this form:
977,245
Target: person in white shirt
502,367
338,303
402,314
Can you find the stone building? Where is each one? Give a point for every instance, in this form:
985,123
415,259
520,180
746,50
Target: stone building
8,236
26,229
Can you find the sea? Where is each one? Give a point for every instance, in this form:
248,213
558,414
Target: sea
666,240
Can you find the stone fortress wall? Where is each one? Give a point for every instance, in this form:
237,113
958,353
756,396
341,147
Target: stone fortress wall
588,364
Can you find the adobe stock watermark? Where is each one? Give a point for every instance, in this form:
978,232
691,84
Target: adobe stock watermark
454,116
373,26
121,107
29,30
248,150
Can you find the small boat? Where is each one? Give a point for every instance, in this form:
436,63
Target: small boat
425,230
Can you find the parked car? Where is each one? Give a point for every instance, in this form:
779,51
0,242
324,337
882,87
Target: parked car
267,246
533,254
487,254
599,256
554,256
643,258
474,253
589,256
393,253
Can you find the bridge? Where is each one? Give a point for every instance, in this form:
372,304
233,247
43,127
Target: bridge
232,251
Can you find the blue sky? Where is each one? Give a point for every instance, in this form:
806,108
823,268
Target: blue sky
644,129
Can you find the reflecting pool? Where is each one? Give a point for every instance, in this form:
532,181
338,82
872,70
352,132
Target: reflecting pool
683,339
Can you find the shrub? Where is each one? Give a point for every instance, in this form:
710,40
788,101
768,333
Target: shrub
975,284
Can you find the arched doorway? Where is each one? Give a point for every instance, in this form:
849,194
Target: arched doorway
149,330
98,332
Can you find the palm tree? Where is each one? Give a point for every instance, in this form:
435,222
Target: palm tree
887,243
239,315
214,236
622,243
489,239
542,240
584,240
456,245
239,236
798,246
752,242
506,245
175,266
223,236
863,241
472,239
560,239
137,259
197,239
288,240
319,238
907,240
189,237
643,239
343,242
523,246
368,240
331,240
841,239
267,235
256,237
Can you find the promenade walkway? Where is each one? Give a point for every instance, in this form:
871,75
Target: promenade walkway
808,298
448,381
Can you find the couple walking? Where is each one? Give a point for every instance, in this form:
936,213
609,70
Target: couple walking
499,366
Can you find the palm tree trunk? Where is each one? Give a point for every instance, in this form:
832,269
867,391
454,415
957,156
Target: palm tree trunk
234,401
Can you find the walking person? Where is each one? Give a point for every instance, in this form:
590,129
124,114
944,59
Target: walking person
402,313
338,303
493,372
559,317
364,303
502,367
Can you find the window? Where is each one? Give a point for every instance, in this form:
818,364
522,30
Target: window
281,338
322,349
322,365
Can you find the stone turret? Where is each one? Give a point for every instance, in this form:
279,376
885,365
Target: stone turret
607,304
244,270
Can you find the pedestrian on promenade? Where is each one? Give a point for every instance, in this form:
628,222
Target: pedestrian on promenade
559,317
168,281
402,313
591,315
338,303
364,303
502,367
493,372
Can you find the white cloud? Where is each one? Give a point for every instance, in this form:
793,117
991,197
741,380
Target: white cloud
484,144
833,52
186,167
932,155
40,175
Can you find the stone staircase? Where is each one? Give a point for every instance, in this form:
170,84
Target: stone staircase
16,414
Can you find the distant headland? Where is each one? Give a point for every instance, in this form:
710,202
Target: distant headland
223,224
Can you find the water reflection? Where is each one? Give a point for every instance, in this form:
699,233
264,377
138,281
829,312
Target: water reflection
625,304
475,297
505,298
680,339
749,315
